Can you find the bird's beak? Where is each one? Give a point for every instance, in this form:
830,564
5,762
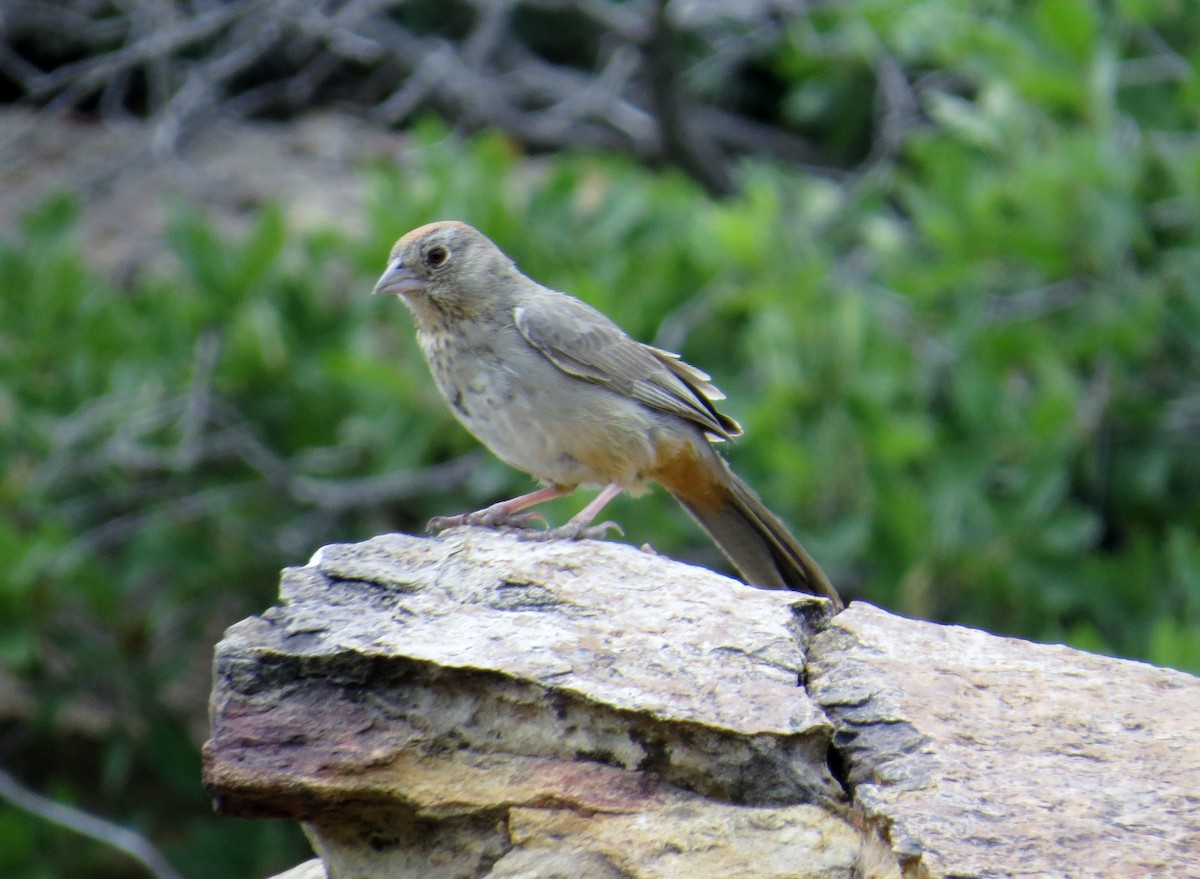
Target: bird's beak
398,280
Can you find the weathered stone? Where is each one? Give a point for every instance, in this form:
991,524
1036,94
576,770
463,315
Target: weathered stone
363,843
663,833
479,705
694,837
993,757
313,869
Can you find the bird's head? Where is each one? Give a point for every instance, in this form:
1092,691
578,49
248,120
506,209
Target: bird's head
447,270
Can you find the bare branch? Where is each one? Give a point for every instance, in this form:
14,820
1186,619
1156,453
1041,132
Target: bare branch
1035,302
680,141
91,71
637,89
121,838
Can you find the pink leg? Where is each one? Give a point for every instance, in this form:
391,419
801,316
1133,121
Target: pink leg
507,508
588,513
502,513
580,525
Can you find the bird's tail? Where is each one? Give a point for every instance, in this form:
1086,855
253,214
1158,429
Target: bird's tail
757,543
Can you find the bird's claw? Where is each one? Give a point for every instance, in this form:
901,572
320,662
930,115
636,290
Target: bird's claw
489,518
577,531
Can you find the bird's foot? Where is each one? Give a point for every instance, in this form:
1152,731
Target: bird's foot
574,531
492,517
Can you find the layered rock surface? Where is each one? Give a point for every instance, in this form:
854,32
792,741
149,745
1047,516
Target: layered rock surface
476,705
992,757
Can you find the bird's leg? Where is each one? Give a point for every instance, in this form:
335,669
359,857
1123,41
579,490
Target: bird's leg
506,513
580,525
598,503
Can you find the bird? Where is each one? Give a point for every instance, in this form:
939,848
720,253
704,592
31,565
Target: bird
555,388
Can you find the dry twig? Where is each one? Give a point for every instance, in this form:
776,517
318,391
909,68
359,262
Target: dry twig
136,846
635,89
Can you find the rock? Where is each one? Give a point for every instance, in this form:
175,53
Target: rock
479,706
313,869
989,757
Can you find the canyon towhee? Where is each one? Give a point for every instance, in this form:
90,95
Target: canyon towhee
555,388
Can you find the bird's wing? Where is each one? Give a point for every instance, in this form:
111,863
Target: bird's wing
583,342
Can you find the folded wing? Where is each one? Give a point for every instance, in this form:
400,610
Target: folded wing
584,343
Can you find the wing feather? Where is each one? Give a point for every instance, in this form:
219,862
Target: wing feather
583,342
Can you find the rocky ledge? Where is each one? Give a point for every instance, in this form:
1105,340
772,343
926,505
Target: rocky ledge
479,706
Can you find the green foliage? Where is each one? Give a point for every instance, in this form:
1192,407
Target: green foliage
970,379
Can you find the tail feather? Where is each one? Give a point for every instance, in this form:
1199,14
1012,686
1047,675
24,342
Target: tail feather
758,544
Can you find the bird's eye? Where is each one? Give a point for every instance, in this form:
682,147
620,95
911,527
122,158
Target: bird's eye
436,256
